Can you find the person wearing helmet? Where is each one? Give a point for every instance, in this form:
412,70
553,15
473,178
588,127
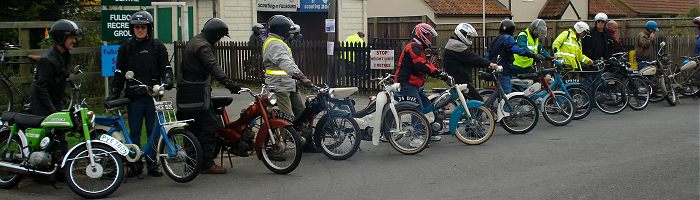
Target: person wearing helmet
504,47
596,44
458,61
256,39
148,59
280,69
616,44
529,40
696,21
199,65
643,44
295,34
49,80
567,47
413,66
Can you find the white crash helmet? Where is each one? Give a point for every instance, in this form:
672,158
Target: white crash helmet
463,30
581,27
601,17
295,29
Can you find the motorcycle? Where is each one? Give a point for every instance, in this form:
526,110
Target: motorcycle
276,142
397,119
175,148
470,121
336,131
658,73
32,144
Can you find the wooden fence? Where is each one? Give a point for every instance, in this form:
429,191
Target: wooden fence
243,63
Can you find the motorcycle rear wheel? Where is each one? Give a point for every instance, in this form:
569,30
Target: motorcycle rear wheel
9,179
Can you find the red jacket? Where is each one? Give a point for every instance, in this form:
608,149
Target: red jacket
413,65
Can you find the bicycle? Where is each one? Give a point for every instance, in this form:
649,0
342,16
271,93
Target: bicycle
638,88
517,113
8,101
177,150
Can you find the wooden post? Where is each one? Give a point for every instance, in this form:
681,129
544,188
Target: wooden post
25,71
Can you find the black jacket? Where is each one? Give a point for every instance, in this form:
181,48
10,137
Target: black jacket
597,45
147,59
49,84
458,61
199,62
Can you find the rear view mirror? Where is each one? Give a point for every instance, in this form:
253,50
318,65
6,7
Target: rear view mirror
662,44
129,75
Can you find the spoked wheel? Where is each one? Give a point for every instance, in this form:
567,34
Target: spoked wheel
6,97
610,96
558,110
414,135
10,151
281,153
184,165
671,97
523,115
94,181
690,85
582,101
638,92
338,137
480,130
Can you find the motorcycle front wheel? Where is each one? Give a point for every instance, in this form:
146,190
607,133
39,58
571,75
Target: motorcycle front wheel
480,131
338,137
96,181
281,150
185,164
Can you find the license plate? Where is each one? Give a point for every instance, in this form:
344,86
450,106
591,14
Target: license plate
116,144
164,105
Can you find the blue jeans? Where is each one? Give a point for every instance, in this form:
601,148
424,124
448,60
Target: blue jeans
413,91
140,108
506,85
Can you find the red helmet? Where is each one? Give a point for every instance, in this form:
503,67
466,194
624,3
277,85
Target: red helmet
696,21
424,33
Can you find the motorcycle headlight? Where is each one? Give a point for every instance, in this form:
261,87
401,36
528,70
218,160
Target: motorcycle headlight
272,98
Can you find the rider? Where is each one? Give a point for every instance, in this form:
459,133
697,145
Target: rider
505,46
148,59
199,64
458,60
49,80
643,44
597,44
567,46
255,40
295,34
529,40
280,69
696,21
413,66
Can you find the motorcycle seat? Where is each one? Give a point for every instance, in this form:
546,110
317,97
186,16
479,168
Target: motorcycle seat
25,120
522,82
529,76
117,103
439,90
219,101
341,93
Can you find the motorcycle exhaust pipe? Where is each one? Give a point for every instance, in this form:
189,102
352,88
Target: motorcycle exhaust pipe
16,168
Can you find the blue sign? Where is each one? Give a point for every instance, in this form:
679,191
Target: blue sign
109,59
314,5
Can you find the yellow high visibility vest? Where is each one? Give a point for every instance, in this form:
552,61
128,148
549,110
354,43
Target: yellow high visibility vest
354,38
532,44
272,71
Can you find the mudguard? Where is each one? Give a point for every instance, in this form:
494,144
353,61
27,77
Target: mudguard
377,122
119,147
260,137
459,110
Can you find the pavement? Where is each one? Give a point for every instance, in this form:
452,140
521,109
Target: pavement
649,154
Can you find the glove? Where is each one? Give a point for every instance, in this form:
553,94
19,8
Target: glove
539,57
306,82
550,58
168,78
437,73
233,88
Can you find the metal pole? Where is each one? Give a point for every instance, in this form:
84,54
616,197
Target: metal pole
483,21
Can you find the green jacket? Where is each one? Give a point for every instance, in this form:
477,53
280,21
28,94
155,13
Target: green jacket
530,44
568,48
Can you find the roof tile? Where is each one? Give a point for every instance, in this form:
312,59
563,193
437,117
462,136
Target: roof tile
466,7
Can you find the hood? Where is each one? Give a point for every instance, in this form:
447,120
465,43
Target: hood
455,45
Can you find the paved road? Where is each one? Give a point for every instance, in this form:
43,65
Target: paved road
650,154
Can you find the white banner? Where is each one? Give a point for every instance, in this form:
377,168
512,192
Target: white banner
278,5
381,59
